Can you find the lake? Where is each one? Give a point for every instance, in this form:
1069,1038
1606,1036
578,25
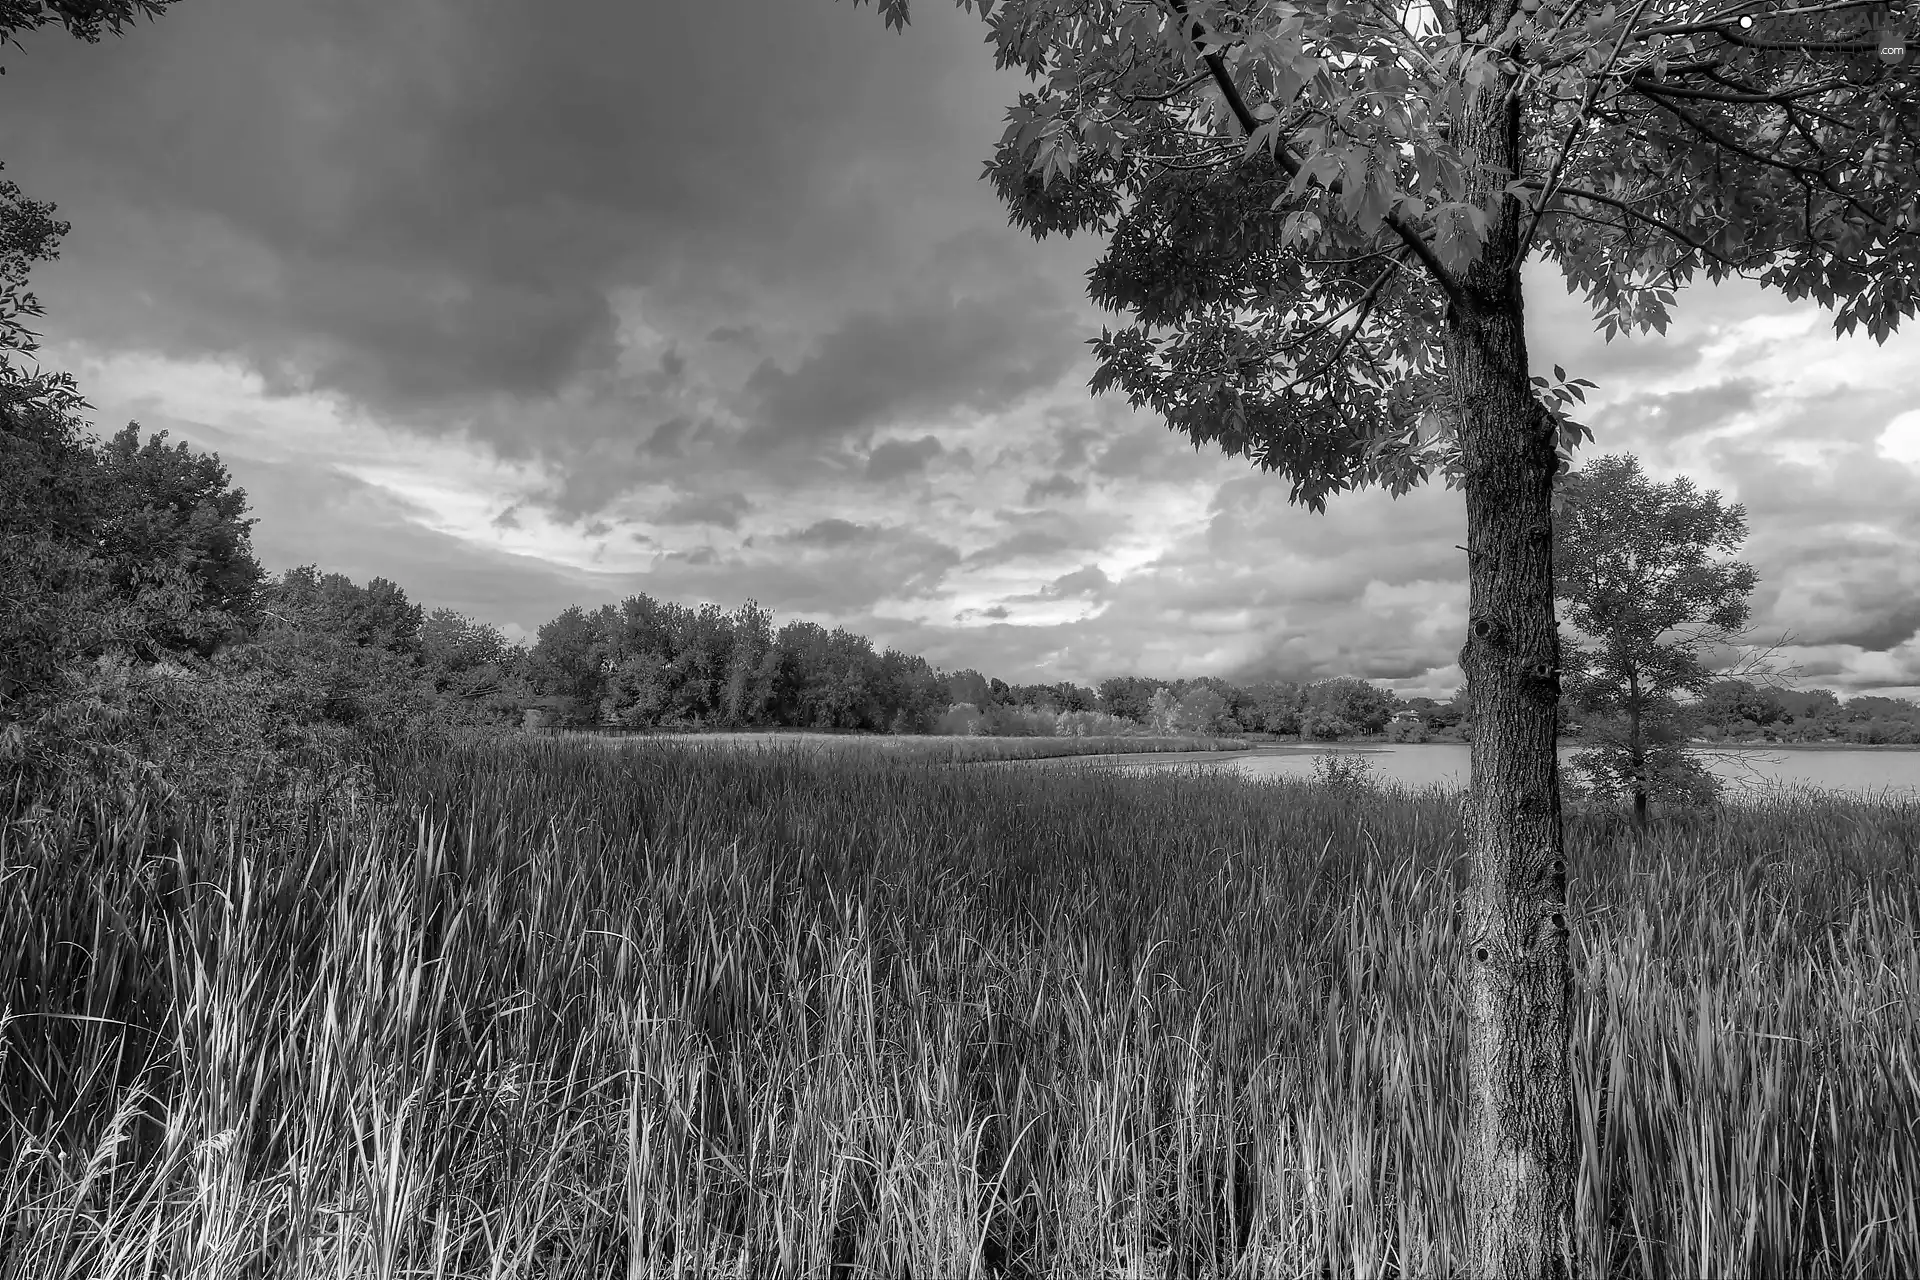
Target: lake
1747,771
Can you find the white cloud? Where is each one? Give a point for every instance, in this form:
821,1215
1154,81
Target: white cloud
1901,440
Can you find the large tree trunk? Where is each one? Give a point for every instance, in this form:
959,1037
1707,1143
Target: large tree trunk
1517,1174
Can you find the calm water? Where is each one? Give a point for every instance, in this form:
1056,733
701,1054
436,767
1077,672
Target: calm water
1749,772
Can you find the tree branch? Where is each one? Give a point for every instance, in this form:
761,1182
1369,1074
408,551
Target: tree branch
1365,305
1732,35
1359,321
1682,237
1566,146
1708,95
1399,225
1799,171
1189,83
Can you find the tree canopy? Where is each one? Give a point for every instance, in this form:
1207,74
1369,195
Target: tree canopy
114,544
1284,191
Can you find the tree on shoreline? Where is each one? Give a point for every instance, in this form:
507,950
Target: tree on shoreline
1316,217
1634,561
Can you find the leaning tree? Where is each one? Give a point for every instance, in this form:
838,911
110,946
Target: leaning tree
1315,216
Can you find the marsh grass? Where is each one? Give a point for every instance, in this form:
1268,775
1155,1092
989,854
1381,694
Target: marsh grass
541,1009
952,749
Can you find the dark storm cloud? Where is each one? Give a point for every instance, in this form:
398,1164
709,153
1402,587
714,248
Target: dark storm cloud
1089,581
1674,413
922,358
843,565
429,206
1029,542
1617,364
1057,485
722,510
831,533
1869,599
1899,624
1138,452
668,439
893,459
1073,447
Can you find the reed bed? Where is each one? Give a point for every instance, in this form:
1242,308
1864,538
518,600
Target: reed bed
541,1009
953,749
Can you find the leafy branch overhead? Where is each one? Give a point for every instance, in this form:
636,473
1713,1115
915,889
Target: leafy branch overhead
1284,189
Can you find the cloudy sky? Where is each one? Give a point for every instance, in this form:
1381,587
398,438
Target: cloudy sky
527,305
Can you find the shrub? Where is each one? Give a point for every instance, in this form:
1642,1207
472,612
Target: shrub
1347,774
1095,724
1323,726
962,719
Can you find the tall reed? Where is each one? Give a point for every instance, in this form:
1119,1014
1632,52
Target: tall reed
541,1009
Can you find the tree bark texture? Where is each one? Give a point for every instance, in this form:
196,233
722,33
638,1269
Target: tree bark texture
1517,1165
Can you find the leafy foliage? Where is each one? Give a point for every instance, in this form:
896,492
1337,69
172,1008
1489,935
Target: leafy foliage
378,615
106,549
140,647
1638,564
1291,194
173,513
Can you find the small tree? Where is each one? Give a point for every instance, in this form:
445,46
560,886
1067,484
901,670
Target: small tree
1127,696
1736,704
1635,563
1363,707
1160,709
378,615
1202,710
172,512
1277,707
474,672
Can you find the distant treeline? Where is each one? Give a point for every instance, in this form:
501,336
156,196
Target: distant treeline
647,664
141,635
1738,710
367,655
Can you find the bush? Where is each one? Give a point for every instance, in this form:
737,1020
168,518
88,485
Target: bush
1019,722
1095,724
1322,726
962,720
1346,772
175,733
